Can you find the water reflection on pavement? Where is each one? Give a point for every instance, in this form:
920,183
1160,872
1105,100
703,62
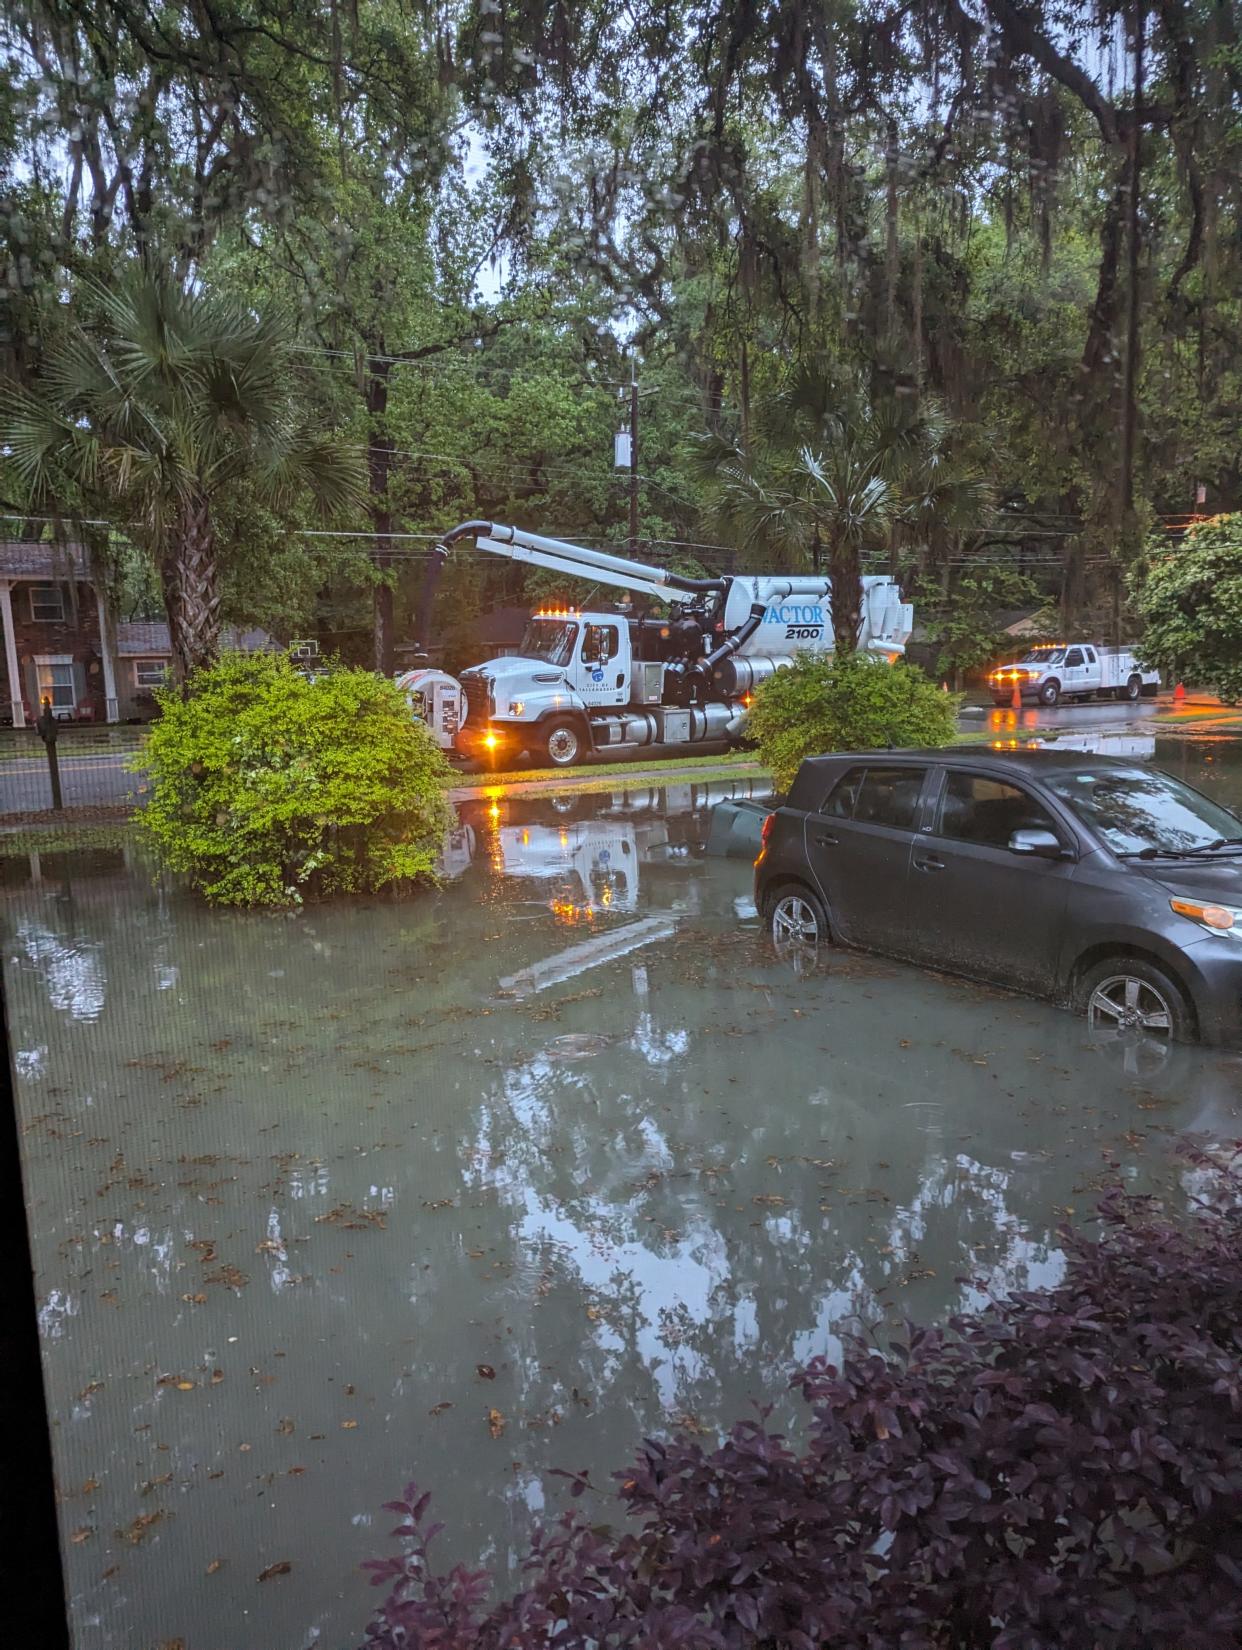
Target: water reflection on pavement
313,1196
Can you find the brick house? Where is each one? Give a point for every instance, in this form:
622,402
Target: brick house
59,642
56,638
144,657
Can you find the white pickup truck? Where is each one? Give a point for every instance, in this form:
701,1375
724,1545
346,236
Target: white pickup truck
1074,670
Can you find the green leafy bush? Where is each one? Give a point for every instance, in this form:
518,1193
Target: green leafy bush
1190,599
849,703
268,789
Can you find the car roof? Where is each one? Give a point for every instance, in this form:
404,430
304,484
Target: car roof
1041,762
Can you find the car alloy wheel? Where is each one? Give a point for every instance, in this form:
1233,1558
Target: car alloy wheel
794,921
1130,1003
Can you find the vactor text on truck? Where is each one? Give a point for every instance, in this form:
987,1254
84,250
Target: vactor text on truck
603,680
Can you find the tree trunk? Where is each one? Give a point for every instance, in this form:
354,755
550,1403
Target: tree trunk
191,598
845,571
379,463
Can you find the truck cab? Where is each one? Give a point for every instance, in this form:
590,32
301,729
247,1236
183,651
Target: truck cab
569,665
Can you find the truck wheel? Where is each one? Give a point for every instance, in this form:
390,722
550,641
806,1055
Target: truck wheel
562,744
1050,693
1133,688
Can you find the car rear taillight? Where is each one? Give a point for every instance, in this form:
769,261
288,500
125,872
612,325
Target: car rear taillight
765,832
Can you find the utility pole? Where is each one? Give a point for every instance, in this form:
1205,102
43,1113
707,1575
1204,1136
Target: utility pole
633,457
1129,383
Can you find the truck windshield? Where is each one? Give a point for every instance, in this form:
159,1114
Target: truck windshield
1044,656
1135,809
550,640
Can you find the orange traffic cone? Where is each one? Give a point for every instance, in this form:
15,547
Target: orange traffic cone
1179,693
1015,698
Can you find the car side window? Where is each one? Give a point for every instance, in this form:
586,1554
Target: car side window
878,796
1073,657
1090,652
975,808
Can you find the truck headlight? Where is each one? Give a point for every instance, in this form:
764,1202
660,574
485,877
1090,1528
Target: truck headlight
1216,919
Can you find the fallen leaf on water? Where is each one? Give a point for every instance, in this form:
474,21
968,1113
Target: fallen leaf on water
284,1426
171,1644
133,1533
217,1375
295,1472
214,1566
198,1299
185,1386
495,1422
485,1372
81,1535
593,1313
347,1425
281,1568
229,1276
439,1409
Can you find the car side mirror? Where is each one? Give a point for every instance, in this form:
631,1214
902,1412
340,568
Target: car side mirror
1039,844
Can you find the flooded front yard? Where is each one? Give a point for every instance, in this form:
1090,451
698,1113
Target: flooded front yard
492,1181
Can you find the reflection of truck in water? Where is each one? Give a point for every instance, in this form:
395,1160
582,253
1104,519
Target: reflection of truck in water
590,867
603,680
1073,670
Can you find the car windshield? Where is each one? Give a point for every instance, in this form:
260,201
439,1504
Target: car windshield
1044,656
551,640
1135,809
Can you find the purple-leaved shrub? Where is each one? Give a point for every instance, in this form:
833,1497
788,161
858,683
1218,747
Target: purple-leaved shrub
1059,1471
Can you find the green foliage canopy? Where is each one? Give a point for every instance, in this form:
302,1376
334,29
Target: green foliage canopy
1190,599
963,621
268,789
846,702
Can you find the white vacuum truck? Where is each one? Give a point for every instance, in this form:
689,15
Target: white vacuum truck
600,680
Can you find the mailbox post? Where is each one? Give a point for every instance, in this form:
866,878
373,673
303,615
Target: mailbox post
47,732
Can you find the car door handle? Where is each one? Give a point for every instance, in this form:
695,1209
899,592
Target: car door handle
825,840
929,864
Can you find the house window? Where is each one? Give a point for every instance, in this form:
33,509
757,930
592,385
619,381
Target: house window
54,678
47,603
149,673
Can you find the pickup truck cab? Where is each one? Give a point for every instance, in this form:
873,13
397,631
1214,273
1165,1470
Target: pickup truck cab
1073,670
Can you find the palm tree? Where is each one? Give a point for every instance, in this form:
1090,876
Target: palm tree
168,399
830,474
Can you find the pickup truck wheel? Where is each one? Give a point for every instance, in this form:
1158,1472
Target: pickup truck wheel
562,744
1050,693
1133,688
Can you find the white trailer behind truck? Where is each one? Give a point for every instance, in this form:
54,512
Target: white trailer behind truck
605,680
1073,671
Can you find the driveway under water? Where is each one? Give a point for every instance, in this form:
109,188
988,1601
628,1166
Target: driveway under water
496,1180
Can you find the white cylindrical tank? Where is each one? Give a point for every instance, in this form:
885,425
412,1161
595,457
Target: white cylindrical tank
798,612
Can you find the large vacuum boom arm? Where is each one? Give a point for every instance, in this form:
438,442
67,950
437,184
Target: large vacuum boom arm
519,545
555,554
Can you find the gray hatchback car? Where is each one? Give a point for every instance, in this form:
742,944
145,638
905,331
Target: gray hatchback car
1097,882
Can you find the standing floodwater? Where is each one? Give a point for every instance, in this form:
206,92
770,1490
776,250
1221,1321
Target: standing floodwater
494,1180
